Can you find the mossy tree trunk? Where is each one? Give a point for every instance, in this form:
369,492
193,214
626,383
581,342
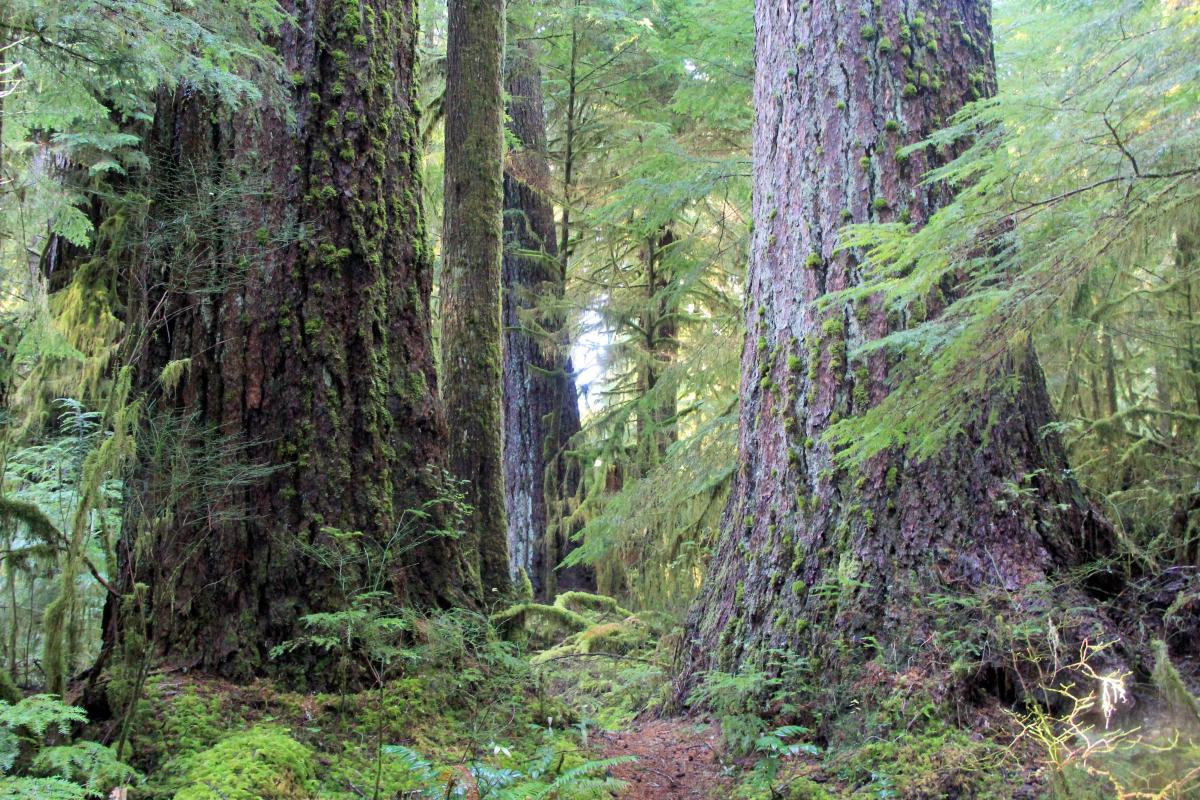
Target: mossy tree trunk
471,254
841,567
284,350
541,412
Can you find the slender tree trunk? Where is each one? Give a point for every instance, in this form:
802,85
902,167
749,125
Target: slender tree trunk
470,297
541,413
660,330
1187,254
836,567
564,245
284,353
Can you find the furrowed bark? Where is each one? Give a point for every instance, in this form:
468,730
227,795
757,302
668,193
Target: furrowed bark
541,412
284,335
840,568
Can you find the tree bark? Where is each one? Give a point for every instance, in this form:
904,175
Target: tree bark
841,567
541,411
471,253
284,354
659,325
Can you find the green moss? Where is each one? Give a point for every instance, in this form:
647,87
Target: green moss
614,637
814,261
9,692
586,603
910,90
928,759
861,387
892,125
1171,686
541,624
864,162
834,326
881,204
862,312
263,763
885,45
867,31
837,360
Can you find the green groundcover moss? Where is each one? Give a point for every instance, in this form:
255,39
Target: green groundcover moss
264,763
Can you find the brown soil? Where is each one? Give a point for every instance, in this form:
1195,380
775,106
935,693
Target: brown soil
677,759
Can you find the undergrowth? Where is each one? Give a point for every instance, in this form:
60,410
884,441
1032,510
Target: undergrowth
447,705
503,711
463,713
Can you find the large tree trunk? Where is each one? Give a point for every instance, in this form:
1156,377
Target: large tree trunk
284,328
541,411
471,251
837,566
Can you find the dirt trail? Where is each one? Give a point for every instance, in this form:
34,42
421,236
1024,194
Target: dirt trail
677,759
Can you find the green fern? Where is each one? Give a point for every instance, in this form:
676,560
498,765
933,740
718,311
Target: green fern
60,771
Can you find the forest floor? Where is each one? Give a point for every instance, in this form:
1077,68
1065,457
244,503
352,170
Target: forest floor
571,715
677,759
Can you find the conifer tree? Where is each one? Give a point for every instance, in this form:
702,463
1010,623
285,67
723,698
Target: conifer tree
541,413
840,566
472,242
283,348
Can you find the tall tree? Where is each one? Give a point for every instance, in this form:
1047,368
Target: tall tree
541,412
658,326
472,242
284,353
651,119
838,565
